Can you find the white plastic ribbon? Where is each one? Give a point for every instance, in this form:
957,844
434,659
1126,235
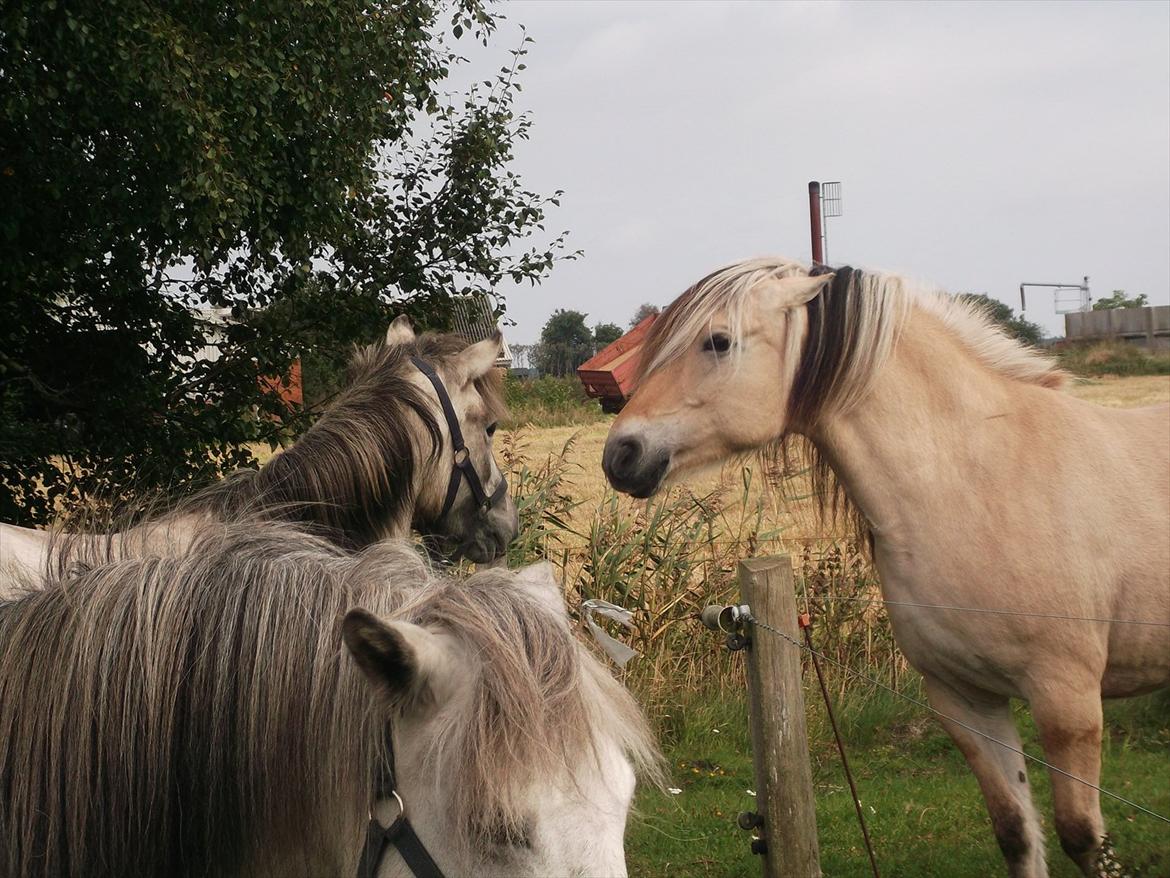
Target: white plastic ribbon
614,648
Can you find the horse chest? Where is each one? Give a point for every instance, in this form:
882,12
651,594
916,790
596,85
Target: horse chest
982,650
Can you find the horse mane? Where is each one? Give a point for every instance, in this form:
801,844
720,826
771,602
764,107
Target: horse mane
351,475
195,713
835,346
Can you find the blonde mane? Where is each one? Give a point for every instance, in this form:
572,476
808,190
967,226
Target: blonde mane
996,349
852,327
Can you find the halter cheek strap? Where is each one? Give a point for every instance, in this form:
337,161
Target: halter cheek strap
399,834
463,468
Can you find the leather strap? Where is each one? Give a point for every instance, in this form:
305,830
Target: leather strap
401,836
463,468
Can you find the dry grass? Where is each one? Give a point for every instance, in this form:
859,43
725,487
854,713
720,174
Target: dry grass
1124,391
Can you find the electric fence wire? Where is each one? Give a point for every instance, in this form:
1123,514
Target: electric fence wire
994,612
848,670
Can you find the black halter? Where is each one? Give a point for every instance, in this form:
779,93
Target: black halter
463,468
399,834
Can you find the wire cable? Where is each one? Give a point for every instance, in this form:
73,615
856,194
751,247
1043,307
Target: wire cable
764,625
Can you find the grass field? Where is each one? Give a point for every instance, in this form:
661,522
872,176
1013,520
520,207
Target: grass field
922,805
668,557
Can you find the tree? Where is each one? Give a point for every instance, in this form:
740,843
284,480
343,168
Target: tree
1015,326
160,161
565,343
606,333
1118,300
644,311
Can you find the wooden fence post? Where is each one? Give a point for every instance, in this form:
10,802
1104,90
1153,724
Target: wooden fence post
784,790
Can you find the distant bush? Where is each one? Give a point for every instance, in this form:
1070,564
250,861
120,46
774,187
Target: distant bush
1111,358
1013,324
548,402
1120,300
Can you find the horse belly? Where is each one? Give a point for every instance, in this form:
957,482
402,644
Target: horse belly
1139,654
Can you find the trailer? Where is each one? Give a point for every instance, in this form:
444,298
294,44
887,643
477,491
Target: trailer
608,376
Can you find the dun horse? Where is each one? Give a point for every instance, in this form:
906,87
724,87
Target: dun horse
980,483
195,714
379,461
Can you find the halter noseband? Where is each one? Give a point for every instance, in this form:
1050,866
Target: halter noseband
463,468
399,834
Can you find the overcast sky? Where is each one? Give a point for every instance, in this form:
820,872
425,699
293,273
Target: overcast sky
978,145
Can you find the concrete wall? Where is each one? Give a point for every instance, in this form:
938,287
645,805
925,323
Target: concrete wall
1148,327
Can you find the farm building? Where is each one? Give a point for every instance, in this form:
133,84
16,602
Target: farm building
1148,327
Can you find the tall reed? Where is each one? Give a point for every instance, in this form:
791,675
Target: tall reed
667,558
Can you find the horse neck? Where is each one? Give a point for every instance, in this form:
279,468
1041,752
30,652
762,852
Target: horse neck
911,445
353,491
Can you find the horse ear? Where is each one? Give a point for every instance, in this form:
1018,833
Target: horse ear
405,663
541,580
400,331
790,292
478,359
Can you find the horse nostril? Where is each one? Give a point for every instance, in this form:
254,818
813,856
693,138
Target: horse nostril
622,459
629,450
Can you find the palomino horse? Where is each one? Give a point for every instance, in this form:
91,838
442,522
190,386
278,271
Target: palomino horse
195,714
379,461
980,483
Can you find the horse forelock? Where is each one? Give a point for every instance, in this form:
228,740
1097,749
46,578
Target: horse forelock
195,713
539,702
724,291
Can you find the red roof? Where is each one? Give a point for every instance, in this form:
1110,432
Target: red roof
609,374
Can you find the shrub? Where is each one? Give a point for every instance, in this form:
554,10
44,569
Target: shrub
548,402
1112,358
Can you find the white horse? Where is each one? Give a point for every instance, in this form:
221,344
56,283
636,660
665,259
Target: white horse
979,482
195,714
378,462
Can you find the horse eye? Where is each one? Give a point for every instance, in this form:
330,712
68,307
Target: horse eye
718,342
491,428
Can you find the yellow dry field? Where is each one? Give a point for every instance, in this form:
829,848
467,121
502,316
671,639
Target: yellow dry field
1124,392
793,516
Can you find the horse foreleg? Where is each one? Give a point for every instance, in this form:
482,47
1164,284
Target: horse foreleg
1001,772
1070,733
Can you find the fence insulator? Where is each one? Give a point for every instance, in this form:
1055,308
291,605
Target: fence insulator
728,619
749,820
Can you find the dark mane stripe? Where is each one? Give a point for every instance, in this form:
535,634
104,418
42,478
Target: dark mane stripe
824,358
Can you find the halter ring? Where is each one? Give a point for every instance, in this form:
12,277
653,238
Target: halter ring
401,806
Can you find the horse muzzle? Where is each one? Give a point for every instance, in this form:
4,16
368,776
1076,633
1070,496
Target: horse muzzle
489,538
632,468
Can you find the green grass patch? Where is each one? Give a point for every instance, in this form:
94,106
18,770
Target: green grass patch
923,806
1111,358
548,402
